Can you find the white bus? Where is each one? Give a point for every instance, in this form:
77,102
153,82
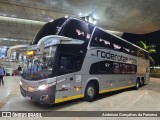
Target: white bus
70,58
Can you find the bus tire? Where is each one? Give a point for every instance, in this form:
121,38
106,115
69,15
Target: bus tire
90,92
142,81
137,84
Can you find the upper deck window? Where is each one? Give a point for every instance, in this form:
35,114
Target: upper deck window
78,30
101,39
51,28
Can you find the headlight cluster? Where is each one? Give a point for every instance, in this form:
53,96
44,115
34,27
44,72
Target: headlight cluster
40,87
20,83
43,87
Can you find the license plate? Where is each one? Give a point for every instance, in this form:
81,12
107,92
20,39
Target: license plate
28,98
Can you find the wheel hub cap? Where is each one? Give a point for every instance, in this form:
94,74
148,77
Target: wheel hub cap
90,92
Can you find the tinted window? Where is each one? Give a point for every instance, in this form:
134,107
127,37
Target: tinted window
102,67
110,67
120,45
101,39
133,50
69,63
51,28
78,30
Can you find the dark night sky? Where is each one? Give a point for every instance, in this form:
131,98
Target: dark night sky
150,38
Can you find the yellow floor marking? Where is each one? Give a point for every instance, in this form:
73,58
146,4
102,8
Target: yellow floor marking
12,94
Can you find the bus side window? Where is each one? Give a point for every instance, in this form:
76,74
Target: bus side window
69,63
78,30
117,47
102,67
101,39
101,43
126,50
63,64
116,68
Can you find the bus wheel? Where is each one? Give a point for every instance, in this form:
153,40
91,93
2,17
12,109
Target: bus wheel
90,92
142,81
137,84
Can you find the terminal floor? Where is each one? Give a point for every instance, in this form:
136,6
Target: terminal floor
146,98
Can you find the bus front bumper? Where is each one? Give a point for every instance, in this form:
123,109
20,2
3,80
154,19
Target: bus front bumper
42,96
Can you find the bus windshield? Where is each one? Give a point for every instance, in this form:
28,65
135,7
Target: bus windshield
39,66
51,28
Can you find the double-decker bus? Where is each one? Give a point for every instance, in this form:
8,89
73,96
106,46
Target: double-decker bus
70,58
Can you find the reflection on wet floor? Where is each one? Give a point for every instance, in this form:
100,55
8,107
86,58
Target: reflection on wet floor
146,98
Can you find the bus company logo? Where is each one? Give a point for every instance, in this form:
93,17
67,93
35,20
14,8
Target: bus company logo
6,114
111,56
21,114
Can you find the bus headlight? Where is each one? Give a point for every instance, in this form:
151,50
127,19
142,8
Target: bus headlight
20,83
43,87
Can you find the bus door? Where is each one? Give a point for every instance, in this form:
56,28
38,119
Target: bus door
65,86
67,81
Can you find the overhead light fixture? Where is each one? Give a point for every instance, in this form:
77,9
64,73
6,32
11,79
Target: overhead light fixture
94,22
80,14
4,39
18,20
66,16
90,18
13,16
11,39
51,20
94,16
